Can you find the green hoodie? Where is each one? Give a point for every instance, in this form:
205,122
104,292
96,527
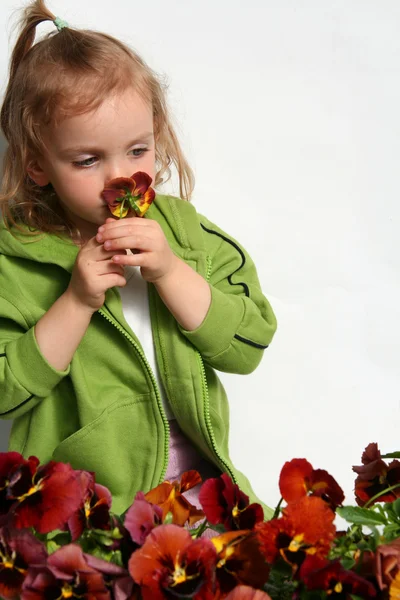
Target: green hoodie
104,412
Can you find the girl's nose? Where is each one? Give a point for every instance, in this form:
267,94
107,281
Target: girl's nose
117,169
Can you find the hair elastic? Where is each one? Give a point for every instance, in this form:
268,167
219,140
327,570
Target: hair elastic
60,24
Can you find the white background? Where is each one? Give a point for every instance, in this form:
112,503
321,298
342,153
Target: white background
289,113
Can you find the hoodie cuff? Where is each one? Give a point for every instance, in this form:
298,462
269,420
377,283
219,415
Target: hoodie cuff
30,368
216,332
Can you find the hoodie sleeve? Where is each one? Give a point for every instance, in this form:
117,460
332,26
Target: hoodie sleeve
240,322
25,375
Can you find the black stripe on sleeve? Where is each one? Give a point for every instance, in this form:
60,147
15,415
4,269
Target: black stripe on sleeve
16,407
249,342
239,250
244,285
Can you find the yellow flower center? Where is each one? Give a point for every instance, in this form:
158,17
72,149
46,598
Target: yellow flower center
235,512
179,575
66,591
296,543
87,509
31,491
338,587
227,554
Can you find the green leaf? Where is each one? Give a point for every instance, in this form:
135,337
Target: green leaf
396,507
348,563
52,547
361,516
391,455
169,518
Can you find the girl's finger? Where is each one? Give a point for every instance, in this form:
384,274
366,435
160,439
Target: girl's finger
109,266
120,228
133,260
139,242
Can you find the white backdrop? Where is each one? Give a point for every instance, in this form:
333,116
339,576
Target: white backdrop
289,114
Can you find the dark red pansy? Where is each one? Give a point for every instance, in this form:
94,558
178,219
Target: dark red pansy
298,478
129,194
171,564
239,561
67,575
43,497
329,576
141,518
14,466
94,511
375,476
18,551
225,504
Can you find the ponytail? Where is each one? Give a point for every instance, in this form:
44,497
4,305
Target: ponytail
32,16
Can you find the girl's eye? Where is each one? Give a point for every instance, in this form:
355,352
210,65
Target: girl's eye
141,150
84,163
137,152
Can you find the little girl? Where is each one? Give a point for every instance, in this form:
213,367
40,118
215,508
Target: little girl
108,357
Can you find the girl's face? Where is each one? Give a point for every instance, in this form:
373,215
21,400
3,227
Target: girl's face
84,152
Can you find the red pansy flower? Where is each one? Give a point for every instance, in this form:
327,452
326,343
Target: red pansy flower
141,518
224,503
67,575
298,479
129,193
9,462
168,496
329,576
171,564
375,476
94,512
42,497
18,551
305,528
239,561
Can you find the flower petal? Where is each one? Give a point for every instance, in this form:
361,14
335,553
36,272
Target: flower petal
294,478
142,182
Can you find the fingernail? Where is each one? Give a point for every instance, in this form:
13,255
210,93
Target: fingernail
101,228
107,245
99,237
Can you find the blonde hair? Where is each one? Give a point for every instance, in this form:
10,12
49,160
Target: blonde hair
92,64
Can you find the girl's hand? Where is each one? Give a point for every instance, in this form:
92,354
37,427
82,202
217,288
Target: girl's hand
93,274
155,257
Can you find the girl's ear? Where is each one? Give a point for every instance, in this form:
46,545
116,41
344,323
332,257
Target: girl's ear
37,173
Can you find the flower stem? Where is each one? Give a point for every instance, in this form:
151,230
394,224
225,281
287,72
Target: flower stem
389,489
196,533
277,509
121,210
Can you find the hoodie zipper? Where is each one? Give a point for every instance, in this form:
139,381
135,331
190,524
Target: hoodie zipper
206,398
155,386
